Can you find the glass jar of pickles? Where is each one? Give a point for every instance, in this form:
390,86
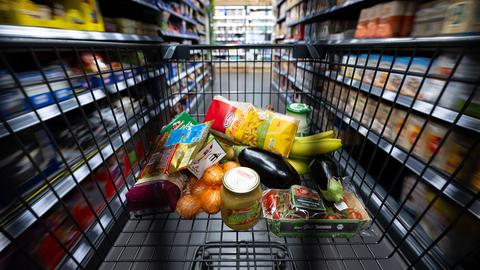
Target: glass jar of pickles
241,194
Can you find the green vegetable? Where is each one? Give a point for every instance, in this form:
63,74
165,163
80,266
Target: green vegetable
334,192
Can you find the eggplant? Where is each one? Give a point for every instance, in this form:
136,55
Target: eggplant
273,170
323,169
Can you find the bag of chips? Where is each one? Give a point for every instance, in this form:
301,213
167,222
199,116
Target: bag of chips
245,124
177,148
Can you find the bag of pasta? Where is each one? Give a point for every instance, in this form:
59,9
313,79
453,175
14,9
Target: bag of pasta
245,124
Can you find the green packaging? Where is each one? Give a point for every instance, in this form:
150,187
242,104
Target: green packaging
179,121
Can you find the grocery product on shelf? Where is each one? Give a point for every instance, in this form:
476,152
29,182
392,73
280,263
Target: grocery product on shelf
65,14
460,238
246,124
241,194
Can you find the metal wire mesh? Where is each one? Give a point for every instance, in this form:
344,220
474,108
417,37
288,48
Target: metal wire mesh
381,99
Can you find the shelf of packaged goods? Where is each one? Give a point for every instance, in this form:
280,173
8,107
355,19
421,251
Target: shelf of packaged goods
288,99
279,2
454,40
40,203
14,31
191,4
183,74
431,176
440,113
317,16
377,201
82,250
198,95
176,97
292,5
29,119
178,35
160,7
283,73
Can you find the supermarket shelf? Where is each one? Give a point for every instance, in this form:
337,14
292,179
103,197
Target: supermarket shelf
279,2
437,180
199,93
327,12
176,97
440,113
184,73
190,4
277,70
82,250
293,5
405,41
178,15
29,119
14,31
417,240
46,199
178,35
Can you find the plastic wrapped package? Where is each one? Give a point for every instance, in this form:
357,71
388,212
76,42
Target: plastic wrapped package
410,131
460,239
243,123
429,140
286,217
394,123
380,120
411,83
380,76
452,152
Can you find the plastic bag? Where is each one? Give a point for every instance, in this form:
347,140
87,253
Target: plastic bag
245,124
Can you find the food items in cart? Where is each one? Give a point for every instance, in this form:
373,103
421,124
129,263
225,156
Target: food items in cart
207,193
211,199
241,194
155,192
274,171
180,120
300,165
178,147
188,206
303,149
316,137
243,123
213,175
307,199
210,154
300,111
344,219
227,166
323,169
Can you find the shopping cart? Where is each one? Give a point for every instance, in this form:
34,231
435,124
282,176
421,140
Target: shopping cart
80,150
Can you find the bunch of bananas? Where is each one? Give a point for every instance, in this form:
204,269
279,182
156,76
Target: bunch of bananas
306,148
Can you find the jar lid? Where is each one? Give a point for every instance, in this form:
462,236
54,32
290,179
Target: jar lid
241,180
298,108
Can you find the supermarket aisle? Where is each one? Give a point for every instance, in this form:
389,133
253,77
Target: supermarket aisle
252,87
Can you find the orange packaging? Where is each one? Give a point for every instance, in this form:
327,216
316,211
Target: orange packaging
361,31
373,20
408,18
390,21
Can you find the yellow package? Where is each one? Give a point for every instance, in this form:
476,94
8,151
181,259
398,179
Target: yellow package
245,124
